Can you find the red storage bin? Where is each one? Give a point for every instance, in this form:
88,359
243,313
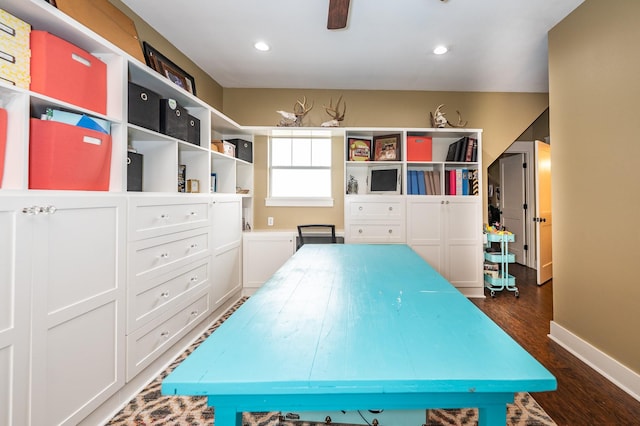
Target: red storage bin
419,148
63,71
62,156
3,140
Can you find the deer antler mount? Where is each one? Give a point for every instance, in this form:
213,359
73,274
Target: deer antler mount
294,119
334,113
440,121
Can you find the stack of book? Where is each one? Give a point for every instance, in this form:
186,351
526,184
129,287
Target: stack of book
423,182
464,150
461,182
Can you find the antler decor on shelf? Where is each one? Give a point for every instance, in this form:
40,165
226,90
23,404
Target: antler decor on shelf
335,114
439,120
294,119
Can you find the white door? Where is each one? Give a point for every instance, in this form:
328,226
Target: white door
543,219
512,202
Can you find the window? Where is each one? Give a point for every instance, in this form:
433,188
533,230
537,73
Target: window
300,169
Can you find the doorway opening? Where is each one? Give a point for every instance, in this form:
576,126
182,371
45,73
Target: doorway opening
519,197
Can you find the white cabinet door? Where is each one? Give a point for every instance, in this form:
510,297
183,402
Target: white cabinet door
263,253
78,284
425,230
463,244
226,236
15,270
447,233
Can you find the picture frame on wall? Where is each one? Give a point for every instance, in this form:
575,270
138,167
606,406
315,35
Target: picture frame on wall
386,148
161,64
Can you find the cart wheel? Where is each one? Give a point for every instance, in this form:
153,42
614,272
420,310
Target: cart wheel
493,293
517,293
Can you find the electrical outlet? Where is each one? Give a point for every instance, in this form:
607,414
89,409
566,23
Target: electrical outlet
270,221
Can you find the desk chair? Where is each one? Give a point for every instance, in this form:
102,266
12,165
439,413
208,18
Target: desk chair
316,234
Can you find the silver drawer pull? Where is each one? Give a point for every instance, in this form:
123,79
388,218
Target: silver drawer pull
164,294
194,313
194,279
164,216
193,246
164,256
164,334
359,231
391,231
390,208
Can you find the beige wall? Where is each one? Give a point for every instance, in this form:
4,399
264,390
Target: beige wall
207,89
594,93
503,116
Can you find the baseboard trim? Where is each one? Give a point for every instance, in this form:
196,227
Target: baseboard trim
618,374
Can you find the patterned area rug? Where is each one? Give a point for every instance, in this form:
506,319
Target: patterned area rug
150,407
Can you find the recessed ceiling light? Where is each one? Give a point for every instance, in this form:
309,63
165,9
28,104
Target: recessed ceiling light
440,50
261,46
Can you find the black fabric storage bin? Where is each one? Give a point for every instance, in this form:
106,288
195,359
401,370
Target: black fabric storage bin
134,171
144,107
193,130
244,149
174,119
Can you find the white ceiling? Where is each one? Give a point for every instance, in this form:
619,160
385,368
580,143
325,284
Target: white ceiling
494,45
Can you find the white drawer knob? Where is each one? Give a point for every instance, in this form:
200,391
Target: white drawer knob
391,231
360,208
390,208
193,214
359,231
194,246
194,313
164,216
164,334
164,255
164,294
194,279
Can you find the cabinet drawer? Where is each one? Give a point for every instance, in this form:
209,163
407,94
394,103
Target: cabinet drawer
383,210
376,233
149,255
146,344
149,298
150,220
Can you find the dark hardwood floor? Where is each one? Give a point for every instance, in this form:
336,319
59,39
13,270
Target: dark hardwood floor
583,397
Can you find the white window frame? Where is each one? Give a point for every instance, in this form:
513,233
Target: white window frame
299,201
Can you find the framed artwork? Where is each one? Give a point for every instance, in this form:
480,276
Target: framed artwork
160,63
386,148
359,149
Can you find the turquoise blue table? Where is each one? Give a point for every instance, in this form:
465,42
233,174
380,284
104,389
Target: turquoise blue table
346,327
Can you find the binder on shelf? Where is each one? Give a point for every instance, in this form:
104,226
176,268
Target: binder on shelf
436,183
421,183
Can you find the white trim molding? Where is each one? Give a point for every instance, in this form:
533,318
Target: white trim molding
614,371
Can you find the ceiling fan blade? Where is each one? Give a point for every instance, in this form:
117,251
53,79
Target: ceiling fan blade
338,14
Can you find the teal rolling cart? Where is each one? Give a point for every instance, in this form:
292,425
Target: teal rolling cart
499,278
